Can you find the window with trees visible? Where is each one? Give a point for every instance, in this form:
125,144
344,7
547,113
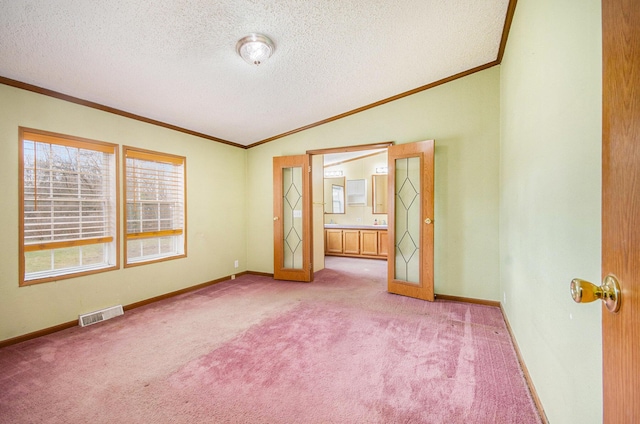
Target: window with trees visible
68,206
155,212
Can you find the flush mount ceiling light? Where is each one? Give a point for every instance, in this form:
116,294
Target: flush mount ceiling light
255,48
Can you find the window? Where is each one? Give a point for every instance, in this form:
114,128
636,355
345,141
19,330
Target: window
68,206
155,212
337,198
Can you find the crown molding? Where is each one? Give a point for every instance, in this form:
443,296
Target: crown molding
98,106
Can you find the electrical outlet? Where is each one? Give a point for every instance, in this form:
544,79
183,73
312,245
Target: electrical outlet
233,277
504,298
236,264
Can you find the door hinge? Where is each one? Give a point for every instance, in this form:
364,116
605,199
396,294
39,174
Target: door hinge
309,169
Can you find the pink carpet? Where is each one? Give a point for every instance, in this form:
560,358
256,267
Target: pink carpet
255,350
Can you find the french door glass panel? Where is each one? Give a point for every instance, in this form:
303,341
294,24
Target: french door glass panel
292,189
407,220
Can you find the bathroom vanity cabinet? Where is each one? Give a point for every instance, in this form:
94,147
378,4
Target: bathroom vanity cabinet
365,241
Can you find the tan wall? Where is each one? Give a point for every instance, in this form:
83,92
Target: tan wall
463,118
550,198
215,206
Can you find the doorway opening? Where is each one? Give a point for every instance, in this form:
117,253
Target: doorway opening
302,236
349,203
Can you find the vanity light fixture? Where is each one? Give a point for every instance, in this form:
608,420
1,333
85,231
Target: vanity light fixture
382,170
332,174
255,48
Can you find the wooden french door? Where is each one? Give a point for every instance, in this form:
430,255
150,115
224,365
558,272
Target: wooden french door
621,207
410,212
292,235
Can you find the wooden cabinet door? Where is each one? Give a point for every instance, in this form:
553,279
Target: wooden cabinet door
369,242
383,243
333,241
351,242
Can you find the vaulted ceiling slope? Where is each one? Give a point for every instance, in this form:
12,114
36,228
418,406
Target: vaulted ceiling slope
174,61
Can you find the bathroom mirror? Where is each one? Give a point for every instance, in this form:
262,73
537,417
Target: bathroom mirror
379,193
334,195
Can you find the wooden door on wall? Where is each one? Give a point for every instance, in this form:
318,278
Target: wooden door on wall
292,235
410,230
621,207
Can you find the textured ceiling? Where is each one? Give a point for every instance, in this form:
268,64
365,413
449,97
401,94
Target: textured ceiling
175,61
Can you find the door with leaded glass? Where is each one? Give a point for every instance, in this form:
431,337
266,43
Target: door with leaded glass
411,181
292,218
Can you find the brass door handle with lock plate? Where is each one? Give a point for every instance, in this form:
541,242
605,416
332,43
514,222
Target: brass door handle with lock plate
583,291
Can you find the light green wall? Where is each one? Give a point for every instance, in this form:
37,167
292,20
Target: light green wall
216,231
550,183
463,118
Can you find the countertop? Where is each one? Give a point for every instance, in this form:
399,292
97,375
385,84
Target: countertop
356,227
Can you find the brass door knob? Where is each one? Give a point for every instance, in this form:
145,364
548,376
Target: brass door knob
583,291
428,221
